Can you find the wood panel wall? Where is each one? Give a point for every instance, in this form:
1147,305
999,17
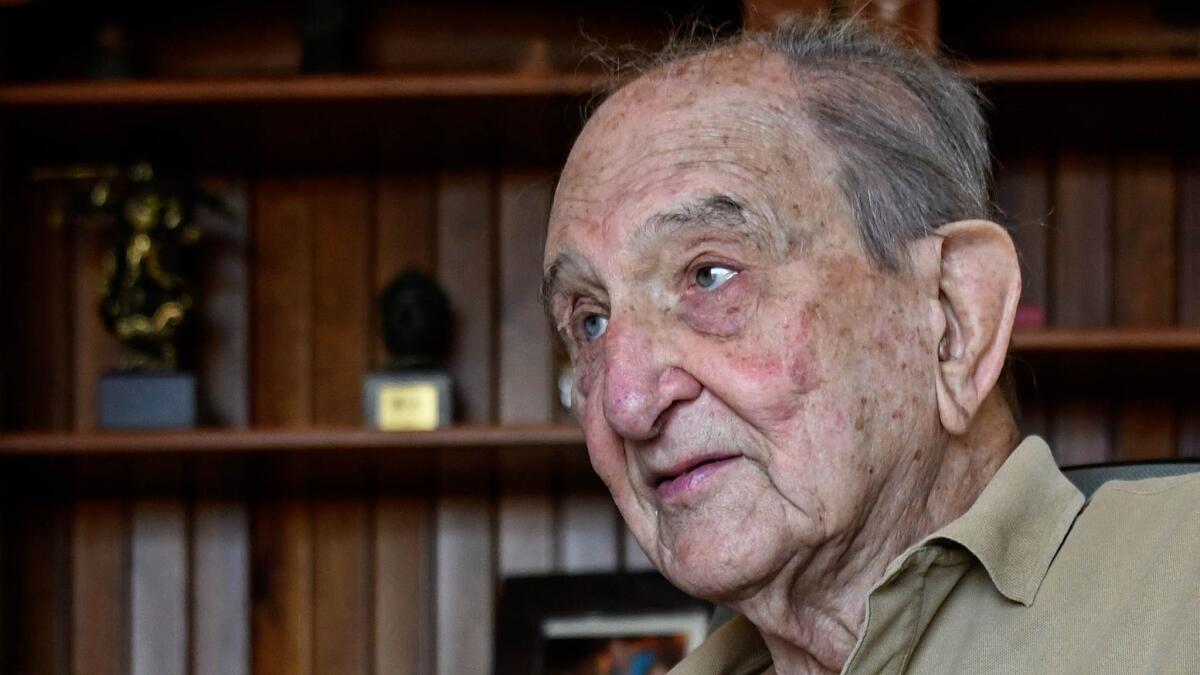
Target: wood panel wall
1107,239
396,578
401,577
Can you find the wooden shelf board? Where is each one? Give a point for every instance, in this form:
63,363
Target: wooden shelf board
222,441
300,88
243,441
1106,340
483,85
1084,70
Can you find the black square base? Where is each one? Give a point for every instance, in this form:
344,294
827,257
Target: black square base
147,401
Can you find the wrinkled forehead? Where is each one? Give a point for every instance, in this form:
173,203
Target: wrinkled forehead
725,123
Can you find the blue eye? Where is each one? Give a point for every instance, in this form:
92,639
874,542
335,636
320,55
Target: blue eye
594,326
712,277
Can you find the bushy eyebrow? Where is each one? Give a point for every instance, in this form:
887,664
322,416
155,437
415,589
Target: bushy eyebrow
719,211
567,264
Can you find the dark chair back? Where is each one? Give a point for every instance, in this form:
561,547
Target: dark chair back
1088,478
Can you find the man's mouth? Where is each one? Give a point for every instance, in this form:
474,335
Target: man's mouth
685,477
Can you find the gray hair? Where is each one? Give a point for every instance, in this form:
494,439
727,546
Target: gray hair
907,129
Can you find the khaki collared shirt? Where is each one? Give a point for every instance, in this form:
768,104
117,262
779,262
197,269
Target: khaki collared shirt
1029,580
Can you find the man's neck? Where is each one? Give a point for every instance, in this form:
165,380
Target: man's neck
811,615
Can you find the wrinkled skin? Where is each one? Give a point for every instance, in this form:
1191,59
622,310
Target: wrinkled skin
717,303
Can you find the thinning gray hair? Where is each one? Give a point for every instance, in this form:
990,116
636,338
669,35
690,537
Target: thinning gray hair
907,130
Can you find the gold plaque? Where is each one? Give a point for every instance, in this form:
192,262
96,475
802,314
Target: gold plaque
408,407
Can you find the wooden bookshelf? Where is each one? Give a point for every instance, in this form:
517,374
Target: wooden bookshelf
356,121
1051,71
222,441
413,86
1183,342
301,88
1107,340
342,181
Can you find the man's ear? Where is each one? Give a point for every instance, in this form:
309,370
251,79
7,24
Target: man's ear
979,287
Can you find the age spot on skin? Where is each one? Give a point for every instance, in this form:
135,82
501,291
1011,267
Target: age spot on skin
804,378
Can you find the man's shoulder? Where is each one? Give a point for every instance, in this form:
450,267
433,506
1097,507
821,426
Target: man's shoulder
1182,487
1124,514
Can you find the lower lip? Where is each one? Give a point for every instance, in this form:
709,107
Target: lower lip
691,480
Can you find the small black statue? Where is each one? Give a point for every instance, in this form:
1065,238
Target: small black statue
416,322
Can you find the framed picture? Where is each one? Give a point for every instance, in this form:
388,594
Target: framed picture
596,624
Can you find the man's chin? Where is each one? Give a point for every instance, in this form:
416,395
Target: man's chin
716,586
722,574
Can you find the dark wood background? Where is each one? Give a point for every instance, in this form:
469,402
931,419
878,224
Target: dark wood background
282,538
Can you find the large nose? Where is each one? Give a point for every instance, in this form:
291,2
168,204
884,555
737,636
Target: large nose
643,378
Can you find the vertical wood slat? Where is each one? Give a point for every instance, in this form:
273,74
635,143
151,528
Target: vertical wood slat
465,270
37,361
403,586
587,536
58,373
35,635
1082,242
1036,415
220,545
1081,433
463,552
525,518
283,344
526,378
1022,193
464,587
1145,289
525,382
282,590
405,238
11,242
340,213
224,369
1145,241
283,304
220,588
1146,429
341,593
1082,288
100,588
1189,289
1189,242
158,600
95,350
10,578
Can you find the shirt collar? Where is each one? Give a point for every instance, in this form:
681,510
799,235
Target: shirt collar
1019,521
735,648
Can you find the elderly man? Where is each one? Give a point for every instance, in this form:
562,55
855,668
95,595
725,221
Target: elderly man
787,320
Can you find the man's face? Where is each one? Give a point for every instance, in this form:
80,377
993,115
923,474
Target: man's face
746,379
